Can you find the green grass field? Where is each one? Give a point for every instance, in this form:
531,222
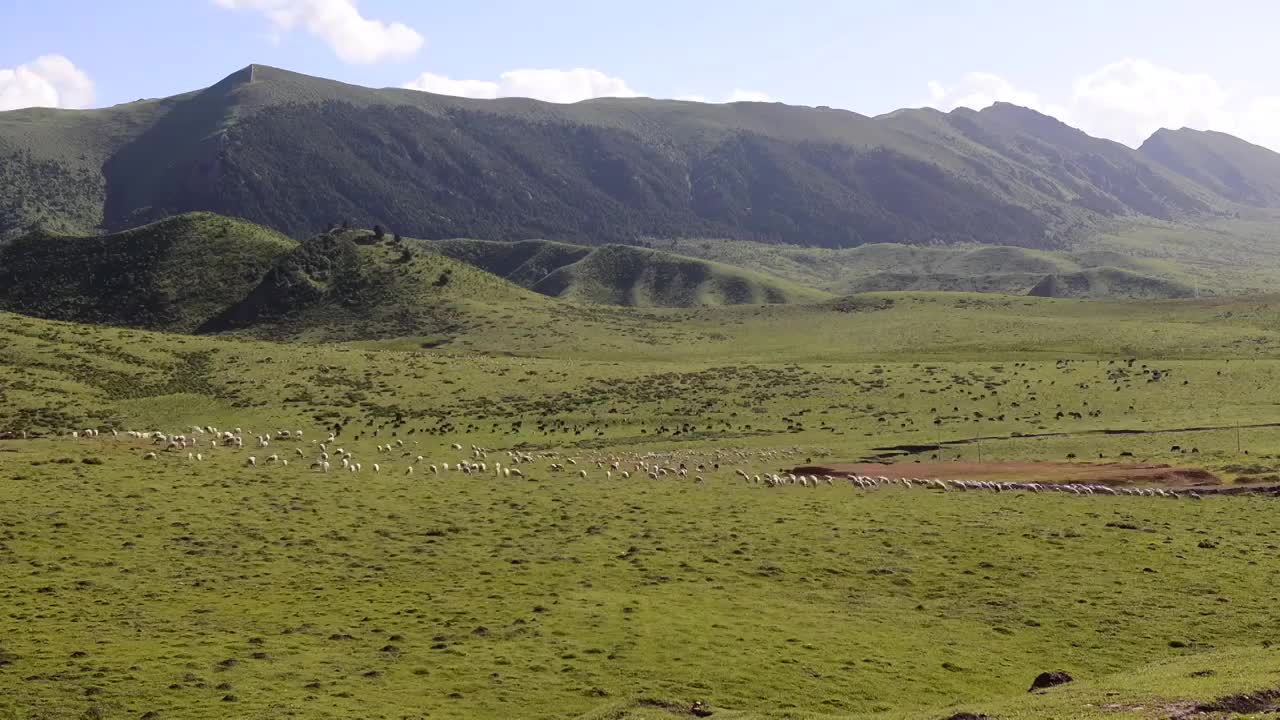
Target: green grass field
213,588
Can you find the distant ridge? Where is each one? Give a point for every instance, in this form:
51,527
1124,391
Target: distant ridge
297,153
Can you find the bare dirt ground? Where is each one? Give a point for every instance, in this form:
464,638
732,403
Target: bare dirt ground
1117,474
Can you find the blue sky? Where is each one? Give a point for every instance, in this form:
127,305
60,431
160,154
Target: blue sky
1116,68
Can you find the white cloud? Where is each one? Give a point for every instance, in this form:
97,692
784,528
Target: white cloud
354,38
441,85
48,81
978,90
1128,100
558,86
748,96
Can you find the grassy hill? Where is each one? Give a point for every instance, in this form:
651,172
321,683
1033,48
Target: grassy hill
525,263
1108,283
623,275
348,284
297,153
175,274
985,269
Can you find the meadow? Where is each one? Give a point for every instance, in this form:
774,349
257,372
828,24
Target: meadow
213,588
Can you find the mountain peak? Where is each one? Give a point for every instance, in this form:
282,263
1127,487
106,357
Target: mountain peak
243,76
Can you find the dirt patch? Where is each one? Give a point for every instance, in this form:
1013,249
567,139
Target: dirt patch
1262,701
1116,474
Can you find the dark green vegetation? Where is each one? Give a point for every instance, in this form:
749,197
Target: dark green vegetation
296,153
173,275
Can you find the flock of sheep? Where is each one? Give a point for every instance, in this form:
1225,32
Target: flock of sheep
679,465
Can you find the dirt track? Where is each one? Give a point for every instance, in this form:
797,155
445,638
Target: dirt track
1117,474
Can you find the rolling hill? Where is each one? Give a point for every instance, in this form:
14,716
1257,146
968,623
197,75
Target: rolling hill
297,153
1109,282
175,274
204,273
624,275
344,285
1092,273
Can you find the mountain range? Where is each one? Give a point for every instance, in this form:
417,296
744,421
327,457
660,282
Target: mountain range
297,154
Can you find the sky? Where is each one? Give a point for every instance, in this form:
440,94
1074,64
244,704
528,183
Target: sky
1118,69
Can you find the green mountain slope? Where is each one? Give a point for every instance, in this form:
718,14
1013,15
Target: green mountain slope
172,275
297,153
624,275
344,285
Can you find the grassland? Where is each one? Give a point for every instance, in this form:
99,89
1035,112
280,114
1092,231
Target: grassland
209,589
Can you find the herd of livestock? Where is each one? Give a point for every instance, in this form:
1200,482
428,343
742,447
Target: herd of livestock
200,443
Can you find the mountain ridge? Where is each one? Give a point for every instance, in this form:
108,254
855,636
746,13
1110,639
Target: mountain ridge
297,153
